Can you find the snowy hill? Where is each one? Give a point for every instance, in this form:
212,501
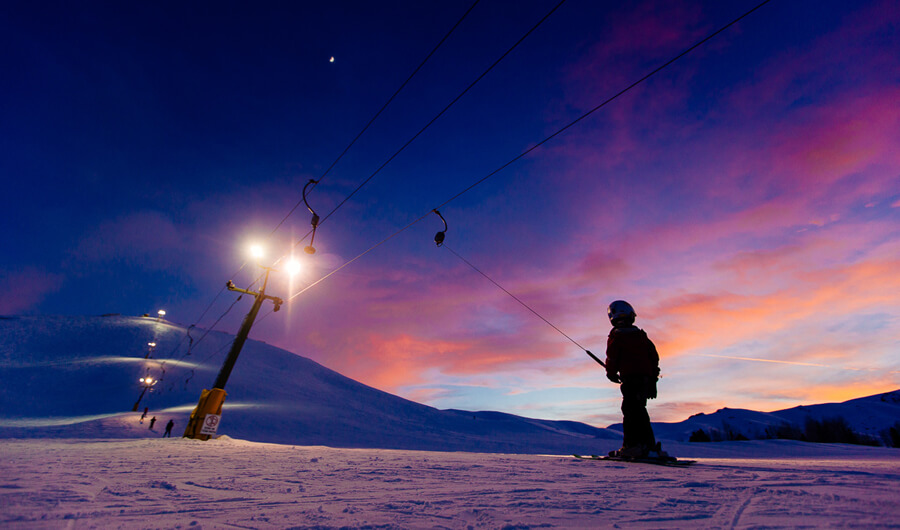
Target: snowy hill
78,377
868,416
75,377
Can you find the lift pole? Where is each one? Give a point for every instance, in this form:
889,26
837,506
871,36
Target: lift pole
144,391
205,417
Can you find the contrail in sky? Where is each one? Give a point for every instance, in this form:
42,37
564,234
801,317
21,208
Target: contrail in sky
795,363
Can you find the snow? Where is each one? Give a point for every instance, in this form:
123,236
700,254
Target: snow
72,454
59,372
868,415
226,483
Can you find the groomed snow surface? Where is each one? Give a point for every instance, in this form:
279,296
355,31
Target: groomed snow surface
225,483
343,455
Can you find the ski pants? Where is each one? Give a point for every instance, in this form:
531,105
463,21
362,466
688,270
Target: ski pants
635,419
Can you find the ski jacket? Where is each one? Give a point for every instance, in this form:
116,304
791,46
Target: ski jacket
630,352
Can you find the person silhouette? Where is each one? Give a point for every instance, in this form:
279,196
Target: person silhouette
633,362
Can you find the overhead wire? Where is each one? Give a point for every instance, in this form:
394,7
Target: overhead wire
370,177
206,332
518,157
517,299
446,108
327,171
431,121
537,145
439,239
605,102
407,144
377,114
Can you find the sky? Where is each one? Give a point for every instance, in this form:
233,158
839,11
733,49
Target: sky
745,199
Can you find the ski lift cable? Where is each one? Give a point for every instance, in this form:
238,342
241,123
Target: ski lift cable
315,220
433,120
606,102
215,353
413,138
539,144
514,297
524,153
206,332
448,106
344,152
377,114
439,241
358,256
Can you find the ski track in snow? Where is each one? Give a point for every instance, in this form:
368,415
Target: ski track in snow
228,483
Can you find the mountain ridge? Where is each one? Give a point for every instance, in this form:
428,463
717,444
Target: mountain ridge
274,395
77,376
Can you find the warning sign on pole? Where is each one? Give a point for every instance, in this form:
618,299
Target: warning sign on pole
210,424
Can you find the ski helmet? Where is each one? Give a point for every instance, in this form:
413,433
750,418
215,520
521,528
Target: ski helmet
620,311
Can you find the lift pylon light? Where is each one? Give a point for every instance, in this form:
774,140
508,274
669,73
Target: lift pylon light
205,417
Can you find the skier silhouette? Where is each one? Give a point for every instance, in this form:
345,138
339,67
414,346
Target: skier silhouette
632,361
169,429
144,415
152,421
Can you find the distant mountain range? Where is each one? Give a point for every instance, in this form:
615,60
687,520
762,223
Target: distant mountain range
63,376
868,417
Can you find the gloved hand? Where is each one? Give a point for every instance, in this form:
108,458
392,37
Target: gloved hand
613,377
651,388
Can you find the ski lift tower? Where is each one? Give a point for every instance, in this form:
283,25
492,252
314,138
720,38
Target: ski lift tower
205,418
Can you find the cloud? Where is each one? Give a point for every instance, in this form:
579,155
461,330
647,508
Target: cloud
739,228
149,239
25,289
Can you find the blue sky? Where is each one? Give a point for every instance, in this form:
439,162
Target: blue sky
746,199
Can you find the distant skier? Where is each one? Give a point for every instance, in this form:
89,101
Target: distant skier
144,415
169,429
632,361
152,421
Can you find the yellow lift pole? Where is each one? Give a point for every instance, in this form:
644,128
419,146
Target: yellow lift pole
206,415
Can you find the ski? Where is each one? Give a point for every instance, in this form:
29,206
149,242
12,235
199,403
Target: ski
669,462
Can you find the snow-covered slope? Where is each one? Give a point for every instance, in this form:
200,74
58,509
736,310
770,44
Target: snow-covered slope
78,377
868,416
225,483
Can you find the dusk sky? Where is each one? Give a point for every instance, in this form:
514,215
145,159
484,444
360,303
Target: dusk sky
745,199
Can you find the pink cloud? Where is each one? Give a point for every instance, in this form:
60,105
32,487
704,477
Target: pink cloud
813,296
26,288
840,141
696,218
148,238
635,38
837,62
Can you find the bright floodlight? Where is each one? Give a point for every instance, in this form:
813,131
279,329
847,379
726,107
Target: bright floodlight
292,266
257,251
142,380
161,312
151,344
